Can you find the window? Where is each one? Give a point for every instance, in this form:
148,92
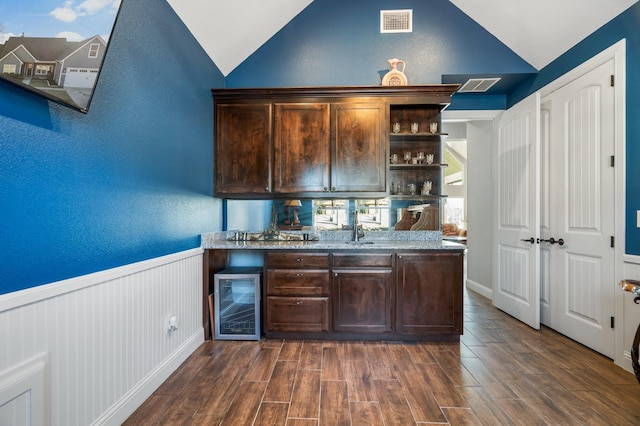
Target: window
44,69
9,69
94,48
330,214
454,211
335,214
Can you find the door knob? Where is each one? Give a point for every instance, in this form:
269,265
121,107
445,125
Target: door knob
554,241
528,240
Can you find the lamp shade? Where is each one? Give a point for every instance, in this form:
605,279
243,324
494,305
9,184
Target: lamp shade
293,203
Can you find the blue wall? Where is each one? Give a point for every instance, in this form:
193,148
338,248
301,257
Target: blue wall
132,179
625,26
338,43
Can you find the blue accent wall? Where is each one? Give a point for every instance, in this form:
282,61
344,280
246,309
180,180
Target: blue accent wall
625,26
130,180
338,43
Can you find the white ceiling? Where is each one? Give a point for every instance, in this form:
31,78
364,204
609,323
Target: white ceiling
537,30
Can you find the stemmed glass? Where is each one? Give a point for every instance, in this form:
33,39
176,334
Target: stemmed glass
420,157
407,156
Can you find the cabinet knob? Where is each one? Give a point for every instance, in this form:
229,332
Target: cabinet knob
298,303
325,189
335,274
333,188
299,259
299,275
266,189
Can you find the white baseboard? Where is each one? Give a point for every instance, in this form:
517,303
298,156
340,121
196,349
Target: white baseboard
137,395
480,289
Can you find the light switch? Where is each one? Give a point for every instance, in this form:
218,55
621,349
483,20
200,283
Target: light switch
638,218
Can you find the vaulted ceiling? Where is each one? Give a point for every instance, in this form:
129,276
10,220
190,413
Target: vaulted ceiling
538,31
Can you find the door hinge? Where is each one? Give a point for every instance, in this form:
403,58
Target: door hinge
613,241
613,161
613,80
613,322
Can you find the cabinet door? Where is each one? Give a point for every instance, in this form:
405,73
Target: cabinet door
429,293
297,314
301,142
358,147
361,300
243,149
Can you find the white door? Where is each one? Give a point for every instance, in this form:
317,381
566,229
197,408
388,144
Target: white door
516,289
581,202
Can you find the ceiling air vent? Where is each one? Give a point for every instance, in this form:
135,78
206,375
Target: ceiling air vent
478,85
396,21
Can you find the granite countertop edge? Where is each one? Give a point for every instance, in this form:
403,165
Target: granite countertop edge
337,240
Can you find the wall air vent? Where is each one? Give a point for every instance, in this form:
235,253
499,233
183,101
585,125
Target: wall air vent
396,21
478,85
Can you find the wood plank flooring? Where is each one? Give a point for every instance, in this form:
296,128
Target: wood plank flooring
500,373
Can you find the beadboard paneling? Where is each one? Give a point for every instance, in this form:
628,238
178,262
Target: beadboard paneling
105,334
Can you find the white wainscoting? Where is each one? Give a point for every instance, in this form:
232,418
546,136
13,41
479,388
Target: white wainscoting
103,337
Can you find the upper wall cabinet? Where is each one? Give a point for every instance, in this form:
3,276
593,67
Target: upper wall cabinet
243,149
330,142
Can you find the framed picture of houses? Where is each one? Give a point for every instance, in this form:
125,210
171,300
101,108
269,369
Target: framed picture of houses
56,48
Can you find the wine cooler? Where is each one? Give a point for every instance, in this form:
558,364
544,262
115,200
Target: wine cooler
237,304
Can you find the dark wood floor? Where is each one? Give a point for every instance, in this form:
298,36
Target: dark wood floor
500,373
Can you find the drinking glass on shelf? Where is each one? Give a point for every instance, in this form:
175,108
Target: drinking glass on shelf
429,158
414,127
420,157
407,156
396,127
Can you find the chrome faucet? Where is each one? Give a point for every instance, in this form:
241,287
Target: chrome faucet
357,232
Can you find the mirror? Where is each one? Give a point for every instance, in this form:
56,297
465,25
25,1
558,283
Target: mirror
55,49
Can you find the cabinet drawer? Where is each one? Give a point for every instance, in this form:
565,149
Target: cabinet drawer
297,260
297,314
298,282
347,260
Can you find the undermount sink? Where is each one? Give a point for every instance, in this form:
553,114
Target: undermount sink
358,242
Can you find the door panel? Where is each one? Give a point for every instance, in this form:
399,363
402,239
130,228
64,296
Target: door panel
517,289
583,188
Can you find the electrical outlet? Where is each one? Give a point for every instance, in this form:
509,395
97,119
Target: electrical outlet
173,323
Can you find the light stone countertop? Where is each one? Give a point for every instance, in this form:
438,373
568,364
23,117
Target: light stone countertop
331,240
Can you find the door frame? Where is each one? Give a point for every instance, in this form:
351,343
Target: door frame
617,52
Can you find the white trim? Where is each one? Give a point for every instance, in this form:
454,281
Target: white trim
35,294
452,116
31,378
480,289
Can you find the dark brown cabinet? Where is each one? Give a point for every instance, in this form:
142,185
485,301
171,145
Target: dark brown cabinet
326,142
243,149
301,145
429,293
296,292
362,292
358,148
368,294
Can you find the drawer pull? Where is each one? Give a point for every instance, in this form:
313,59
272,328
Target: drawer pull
299,259
299,302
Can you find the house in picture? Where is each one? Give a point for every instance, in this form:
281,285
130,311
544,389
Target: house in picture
64,63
